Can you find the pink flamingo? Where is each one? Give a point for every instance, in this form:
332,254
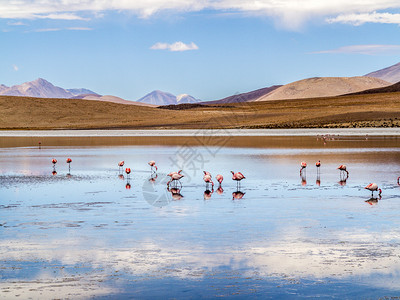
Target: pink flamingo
207,173
343,169
207,194
219,178
128,172
238,177
303,165
373,187
172,173
175,176
152,164
69,161
207,179
318,165
120,165
54,161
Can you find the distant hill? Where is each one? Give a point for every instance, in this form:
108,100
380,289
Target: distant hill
323,87
245,97
81,91
390,74
163,98
41,88
109,98
387,89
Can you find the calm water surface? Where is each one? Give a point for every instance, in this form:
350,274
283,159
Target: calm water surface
85,234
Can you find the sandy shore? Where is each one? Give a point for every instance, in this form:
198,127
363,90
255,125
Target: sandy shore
203,132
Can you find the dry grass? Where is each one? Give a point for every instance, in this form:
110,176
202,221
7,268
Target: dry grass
377,110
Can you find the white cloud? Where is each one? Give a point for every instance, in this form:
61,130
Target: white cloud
79,28
15,67
360,19
16,24
177,46
365,49
288,13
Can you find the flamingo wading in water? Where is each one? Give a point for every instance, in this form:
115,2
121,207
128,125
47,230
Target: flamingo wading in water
219,178
208,179
69,161
120,165
152,165
303,165
343,169
238,177
175,176
128,172
373,187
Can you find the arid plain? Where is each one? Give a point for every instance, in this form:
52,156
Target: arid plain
367,110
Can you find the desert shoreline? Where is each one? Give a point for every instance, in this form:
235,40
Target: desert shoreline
204,132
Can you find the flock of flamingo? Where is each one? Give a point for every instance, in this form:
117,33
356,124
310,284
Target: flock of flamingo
175,178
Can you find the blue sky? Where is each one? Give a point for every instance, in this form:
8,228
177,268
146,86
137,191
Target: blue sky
209,49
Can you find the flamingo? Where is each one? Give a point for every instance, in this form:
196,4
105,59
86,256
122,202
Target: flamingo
152,164
128,186
206,173
128,171
219,178
69,161
40,145
172,173
207,179
238,177
303,165
120,165
318,165
54,161
175,176
373,187
343,169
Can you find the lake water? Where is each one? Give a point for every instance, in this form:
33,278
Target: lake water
90,232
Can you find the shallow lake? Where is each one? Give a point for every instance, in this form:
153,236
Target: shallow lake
90,232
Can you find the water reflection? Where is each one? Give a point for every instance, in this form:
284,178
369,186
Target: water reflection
207,193
373,201
175,193
237,195
282,240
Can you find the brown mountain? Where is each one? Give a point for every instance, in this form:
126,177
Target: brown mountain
390,74
323,87
245,97
387,89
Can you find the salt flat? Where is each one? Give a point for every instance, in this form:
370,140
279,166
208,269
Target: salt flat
203,132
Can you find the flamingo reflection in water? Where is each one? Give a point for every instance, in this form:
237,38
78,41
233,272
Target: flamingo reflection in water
237,195
153,177
175,193
373,201
208,193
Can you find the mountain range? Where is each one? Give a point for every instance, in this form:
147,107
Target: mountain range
163,98
41,88
306,88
